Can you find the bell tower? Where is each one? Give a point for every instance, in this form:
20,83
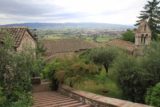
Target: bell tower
143,34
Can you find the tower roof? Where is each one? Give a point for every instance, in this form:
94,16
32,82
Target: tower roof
143,27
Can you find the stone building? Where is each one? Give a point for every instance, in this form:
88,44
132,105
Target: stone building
22,37
143,34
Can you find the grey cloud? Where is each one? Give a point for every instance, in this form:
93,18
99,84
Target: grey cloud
14,7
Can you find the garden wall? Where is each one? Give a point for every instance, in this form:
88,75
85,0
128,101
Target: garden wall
96,100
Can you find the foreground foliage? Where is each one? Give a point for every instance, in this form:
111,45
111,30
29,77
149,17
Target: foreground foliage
136,74
69,71
153,96
16,70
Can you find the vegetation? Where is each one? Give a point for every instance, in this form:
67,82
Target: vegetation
128,36
152,13
16,70
136,74
68,72
100,84
153,96
127,72
103,56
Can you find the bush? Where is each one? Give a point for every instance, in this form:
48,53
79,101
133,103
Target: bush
153,96
136,74
128,36
127,72
69,71
151,63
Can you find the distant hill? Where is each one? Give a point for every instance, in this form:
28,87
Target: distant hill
72,26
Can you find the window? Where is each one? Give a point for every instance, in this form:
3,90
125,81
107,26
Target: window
142,38
145,26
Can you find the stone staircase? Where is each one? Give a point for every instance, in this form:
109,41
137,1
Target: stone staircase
54,99
44,97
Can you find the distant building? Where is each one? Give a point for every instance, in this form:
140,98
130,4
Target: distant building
142,38
22,37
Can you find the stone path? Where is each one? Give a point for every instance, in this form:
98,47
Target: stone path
55,99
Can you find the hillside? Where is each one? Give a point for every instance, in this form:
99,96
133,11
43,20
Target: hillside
116,27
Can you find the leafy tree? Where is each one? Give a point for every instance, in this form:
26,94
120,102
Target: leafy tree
153,96
151,62
152,14
128,36
104,56
127,72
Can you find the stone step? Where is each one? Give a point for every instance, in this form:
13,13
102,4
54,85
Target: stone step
55,99
44,86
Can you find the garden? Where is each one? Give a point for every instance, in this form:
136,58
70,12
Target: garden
111,72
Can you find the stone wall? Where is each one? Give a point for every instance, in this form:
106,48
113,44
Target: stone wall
27,42
96,100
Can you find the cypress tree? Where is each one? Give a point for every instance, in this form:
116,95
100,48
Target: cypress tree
151,13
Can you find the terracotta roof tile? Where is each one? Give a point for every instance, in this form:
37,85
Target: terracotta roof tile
16,34
66,45
129,46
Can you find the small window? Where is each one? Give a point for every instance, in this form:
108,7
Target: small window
142,38
145,26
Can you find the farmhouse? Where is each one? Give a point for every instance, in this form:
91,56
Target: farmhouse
142,38
66,47
22,37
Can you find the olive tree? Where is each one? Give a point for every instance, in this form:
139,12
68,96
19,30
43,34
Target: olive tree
104,56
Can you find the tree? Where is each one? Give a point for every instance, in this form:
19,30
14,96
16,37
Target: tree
104,56
127,72
151,13
128,36
136,74
151,63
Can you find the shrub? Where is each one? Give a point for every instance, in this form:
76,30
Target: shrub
69,71
153,96
127,72
151,63
128,36
136,74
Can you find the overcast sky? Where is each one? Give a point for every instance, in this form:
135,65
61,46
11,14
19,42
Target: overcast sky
61,11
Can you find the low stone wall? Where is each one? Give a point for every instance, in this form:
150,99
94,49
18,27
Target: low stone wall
96,100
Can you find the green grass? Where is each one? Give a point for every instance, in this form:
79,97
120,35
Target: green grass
88,38
101,84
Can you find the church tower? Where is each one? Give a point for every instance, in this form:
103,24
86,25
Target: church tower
143,34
